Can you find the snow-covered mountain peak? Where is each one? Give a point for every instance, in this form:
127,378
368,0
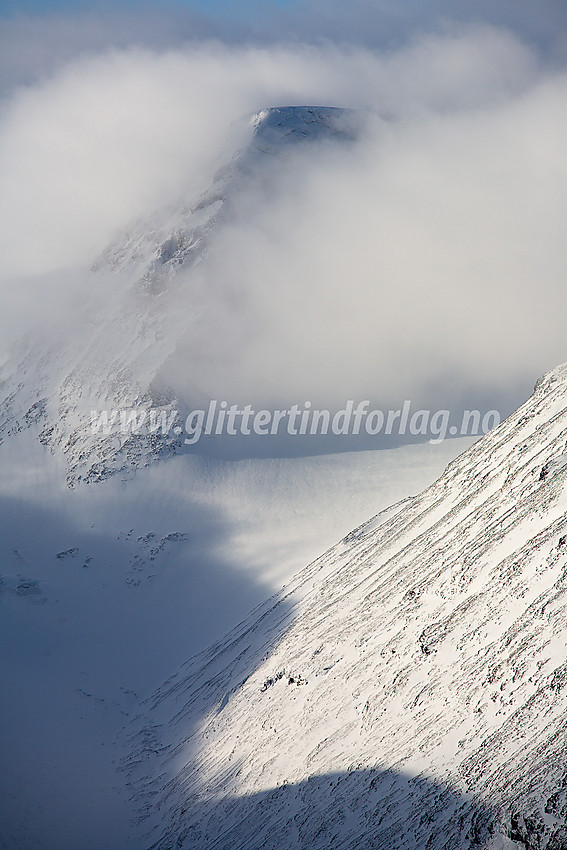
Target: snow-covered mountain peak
111,355
156,250
405,690
284,124
554,376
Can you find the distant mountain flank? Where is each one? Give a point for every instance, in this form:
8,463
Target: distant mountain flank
114,358
405,690
183,238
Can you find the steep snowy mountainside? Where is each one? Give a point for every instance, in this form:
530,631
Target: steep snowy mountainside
156,252
407,689
104,589
112,350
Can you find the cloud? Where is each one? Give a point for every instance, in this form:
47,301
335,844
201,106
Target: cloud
385,23
111,137
426,261
33,46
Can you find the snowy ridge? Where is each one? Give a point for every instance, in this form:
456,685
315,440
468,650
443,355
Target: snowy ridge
156,251
125,336
407,689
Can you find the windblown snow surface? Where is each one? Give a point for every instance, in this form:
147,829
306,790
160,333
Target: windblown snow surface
123,555
405,690
104,588
373,680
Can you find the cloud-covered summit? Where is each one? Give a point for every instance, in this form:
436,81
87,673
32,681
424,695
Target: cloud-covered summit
425,261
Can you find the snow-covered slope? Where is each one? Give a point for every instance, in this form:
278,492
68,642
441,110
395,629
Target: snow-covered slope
110,352
154,251
407,689
105,588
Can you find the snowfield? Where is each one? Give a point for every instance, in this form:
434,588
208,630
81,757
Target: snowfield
403,690
106,587
406,689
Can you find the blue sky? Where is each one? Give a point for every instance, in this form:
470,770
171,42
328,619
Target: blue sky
216,8
331,16
368,22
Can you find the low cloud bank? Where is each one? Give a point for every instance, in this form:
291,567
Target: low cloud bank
425,263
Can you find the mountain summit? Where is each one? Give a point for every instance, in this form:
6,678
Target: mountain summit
155,251
111,351
406,690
